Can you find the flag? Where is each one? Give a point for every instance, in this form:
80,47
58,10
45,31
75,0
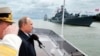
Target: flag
97,10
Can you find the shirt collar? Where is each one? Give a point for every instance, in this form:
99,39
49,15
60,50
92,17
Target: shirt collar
27,34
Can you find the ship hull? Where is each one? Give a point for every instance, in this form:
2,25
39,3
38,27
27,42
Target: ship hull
78,21
84,21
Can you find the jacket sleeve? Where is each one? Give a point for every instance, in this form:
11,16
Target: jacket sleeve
13,41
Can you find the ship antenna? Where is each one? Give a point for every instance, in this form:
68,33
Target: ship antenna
63,19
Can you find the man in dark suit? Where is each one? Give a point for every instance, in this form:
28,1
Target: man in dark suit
27,46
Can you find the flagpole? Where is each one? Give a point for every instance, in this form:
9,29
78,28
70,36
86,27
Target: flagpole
62,35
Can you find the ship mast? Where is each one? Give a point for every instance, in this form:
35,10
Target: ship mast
63,19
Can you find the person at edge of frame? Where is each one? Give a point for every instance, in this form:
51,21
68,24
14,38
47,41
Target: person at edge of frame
9,41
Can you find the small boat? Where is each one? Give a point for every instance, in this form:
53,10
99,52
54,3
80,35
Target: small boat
45,17
55,45
77,19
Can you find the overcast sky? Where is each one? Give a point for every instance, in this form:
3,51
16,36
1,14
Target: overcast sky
38,8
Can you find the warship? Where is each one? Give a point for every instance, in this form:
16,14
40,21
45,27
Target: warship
69,18
97,17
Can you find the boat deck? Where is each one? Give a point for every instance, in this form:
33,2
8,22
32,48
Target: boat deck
49,50
55,45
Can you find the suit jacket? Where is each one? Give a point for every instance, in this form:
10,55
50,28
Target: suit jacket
27,47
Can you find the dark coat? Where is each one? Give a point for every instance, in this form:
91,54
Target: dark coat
27,47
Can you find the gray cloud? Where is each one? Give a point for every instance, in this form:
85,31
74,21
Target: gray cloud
38,8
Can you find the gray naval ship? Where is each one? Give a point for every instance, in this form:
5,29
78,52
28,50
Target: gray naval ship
77,19
97,17
54,45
